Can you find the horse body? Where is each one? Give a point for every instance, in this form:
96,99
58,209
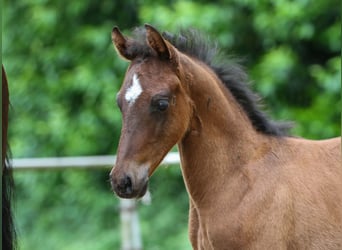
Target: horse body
279,199
249,187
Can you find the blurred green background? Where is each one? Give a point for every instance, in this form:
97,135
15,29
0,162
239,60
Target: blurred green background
64,74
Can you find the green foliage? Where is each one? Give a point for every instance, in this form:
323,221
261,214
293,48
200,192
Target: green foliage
75,209
64,74
63,78
66,210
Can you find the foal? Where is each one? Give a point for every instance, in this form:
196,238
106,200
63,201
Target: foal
250,186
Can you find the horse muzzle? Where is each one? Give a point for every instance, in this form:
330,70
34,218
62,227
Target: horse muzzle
129,184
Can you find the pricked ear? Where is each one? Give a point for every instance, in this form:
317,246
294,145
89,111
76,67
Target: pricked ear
158,43
121,44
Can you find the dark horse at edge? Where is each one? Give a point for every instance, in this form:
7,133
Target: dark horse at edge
8,229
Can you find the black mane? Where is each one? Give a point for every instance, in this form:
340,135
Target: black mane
194,44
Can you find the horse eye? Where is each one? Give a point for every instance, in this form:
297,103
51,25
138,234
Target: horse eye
162,104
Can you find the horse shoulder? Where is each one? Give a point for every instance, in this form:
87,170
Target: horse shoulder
295,187
313,174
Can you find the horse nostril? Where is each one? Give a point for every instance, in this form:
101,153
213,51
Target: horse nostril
126,186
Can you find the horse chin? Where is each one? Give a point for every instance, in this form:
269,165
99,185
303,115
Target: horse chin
142,191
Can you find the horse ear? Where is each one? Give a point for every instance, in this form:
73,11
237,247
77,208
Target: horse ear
121,44
163,48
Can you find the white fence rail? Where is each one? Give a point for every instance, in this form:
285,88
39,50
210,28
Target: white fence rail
105,161
130,228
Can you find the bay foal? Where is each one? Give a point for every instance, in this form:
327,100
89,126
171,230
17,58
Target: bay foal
250,186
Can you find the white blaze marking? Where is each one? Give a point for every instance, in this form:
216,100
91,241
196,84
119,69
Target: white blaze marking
134,91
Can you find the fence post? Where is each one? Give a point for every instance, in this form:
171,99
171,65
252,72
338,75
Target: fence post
130,228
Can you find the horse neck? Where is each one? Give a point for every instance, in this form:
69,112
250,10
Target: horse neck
220,139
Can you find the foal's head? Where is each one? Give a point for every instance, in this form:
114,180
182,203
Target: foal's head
155,108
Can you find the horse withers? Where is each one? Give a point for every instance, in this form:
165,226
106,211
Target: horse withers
250,185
